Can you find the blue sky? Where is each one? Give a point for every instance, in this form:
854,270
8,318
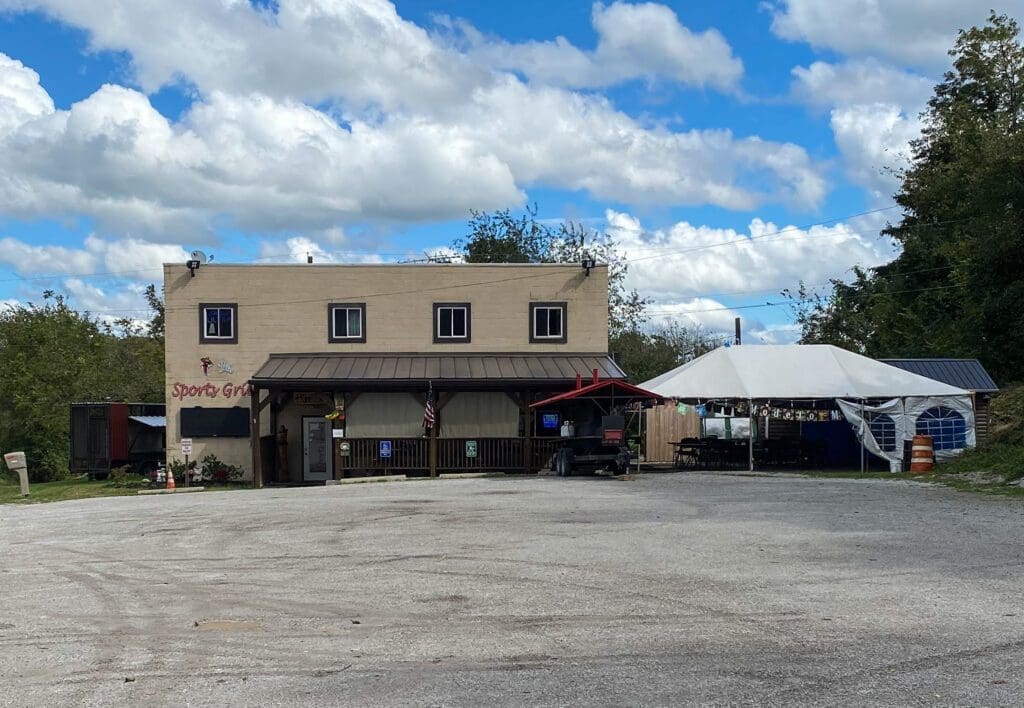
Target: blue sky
728,147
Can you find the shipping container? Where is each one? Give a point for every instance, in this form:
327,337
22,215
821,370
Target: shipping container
108,435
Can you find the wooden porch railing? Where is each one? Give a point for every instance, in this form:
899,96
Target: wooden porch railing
413,455
364,454
491,454
542,452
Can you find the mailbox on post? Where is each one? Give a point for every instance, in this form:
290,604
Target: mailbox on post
16,463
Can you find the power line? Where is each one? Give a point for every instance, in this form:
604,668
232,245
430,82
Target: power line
788,302
759,237
780,288
291,252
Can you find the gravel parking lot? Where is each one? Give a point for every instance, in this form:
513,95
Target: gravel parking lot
667,589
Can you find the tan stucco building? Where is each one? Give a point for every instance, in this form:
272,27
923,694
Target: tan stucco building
312,372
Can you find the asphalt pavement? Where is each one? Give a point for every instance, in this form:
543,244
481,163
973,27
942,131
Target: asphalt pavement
668,589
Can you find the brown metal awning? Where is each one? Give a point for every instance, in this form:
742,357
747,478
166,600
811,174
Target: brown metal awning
394,371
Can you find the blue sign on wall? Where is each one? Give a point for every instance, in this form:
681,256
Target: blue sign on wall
385,448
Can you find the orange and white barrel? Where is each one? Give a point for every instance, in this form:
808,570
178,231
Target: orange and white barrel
922,455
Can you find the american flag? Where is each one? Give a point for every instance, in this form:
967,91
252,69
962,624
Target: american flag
429,418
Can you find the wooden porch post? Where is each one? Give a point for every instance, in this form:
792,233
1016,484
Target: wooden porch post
274,408
527,399
254,438
432,449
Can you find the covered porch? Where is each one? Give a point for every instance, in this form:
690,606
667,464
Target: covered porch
317,417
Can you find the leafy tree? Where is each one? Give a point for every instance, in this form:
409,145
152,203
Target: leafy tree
644,353
955,289
500,237
53,356
155,328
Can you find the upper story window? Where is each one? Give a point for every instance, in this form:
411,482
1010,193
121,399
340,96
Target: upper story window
451,322
218,323
346,322
547,322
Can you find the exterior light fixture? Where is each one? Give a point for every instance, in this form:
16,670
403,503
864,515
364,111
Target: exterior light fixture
588,262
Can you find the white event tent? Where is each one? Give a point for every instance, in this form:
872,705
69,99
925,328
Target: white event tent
868,392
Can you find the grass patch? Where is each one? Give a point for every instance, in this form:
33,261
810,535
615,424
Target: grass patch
991,470
82,488
62,490
997,460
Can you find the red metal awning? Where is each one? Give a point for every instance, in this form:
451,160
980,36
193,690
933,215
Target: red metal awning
611,388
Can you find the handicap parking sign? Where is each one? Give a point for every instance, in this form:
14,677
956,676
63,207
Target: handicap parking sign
385,448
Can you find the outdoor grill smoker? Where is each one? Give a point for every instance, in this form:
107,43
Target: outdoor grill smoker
591,422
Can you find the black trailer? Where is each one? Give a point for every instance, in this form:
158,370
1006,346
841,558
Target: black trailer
591,423
108,435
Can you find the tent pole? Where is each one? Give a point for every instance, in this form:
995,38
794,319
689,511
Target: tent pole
750,420
861,436
640,436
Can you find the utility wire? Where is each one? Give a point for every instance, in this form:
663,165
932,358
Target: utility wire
759,237
268,256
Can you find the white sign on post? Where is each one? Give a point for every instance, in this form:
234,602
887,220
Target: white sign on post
186,446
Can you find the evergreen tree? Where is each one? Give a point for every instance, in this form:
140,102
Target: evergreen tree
956,287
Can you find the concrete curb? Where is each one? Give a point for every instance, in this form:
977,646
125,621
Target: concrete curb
365,480
469,475
180,490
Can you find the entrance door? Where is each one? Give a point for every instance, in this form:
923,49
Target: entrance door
316,449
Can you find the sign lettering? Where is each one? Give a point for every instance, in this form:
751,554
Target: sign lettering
181,391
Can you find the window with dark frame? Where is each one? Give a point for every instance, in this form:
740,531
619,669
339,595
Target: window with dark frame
218,323
547,322
451,322
346,322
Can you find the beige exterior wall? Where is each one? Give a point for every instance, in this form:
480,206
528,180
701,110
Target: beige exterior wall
283,309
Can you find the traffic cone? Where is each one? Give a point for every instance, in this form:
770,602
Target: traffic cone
170,478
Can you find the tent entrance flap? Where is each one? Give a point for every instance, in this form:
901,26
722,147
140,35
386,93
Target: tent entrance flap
885,427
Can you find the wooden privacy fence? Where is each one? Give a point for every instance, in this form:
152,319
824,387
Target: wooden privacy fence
664,425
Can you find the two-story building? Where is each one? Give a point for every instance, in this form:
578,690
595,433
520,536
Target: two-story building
304,373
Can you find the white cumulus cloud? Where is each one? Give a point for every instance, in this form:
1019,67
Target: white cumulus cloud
635,41
913,32
862,81
271,165
686,261
874,140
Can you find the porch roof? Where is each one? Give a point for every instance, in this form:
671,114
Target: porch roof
387,370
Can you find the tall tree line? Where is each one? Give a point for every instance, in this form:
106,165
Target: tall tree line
956,289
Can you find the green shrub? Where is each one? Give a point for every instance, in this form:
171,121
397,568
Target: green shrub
216,472
124,477
1004,459
1008,415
